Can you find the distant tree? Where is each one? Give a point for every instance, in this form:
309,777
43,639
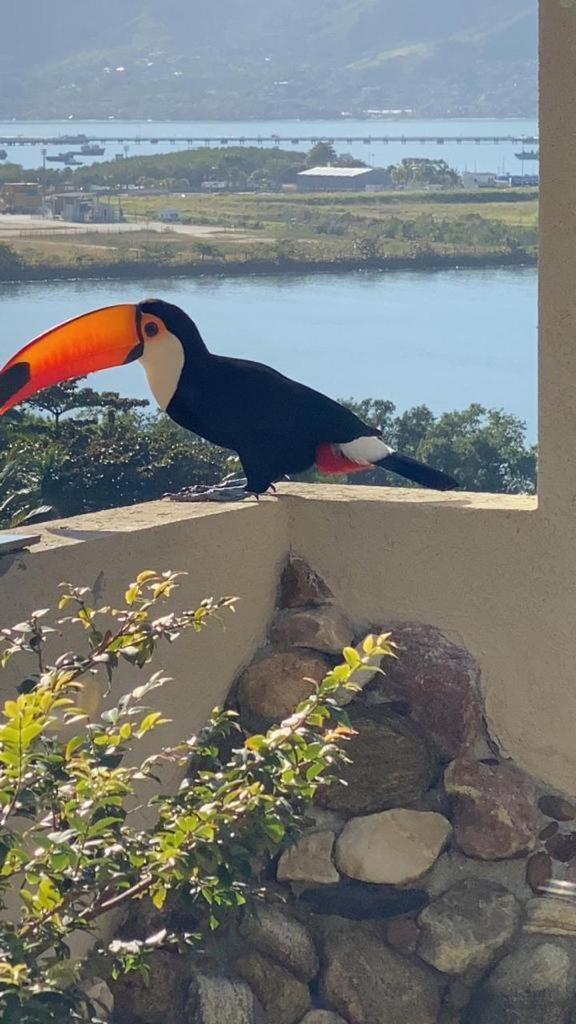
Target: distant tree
420,171
347,160
485,449
321,155
70,397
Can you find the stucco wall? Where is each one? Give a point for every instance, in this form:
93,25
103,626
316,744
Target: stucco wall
230,552
495,573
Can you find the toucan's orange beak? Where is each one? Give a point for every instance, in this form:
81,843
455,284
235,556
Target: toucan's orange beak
96,341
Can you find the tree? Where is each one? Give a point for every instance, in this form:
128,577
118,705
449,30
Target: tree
71,847
70,397
20,494
321,155
485,449
416,171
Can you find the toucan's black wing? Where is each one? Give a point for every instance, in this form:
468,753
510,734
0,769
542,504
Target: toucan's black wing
274,423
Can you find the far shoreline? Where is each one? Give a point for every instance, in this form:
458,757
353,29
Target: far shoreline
267,268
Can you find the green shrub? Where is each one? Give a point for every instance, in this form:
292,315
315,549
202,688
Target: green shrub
81,851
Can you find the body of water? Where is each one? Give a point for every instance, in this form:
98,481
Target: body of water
485,157
444,339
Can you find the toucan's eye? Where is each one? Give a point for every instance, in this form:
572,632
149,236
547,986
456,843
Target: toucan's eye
151,329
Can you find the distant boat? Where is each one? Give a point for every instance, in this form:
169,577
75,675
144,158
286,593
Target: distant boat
92,149
3,154
528,154
64,158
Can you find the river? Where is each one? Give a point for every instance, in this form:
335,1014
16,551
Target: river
485,157
443,338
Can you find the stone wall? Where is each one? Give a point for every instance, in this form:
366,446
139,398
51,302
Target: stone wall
433,886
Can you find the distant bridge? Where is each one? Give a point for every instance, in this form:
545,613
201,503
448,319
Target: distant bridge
266,140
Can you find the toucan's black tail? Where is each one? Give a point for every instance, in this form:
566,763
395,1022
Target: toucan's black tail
416,471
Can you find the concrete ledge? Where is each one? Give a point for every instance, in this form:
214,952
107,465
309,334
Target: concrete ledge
492,571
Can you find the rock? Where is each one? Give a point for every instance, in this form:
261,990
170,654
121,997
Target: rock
495,809
99,993
273,686
557,808
285,999
394,848
214,999
391,765
562,847
320,819
275,933
539,870
551,917
159,999
403,935
453,867
301,586
369,983
439,680
534,984
322,1017
309,860
360,901
321,629
467,926
458,995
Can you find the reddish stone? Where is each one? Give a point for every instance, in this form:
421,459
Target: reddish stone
301,586
496,813
403,934
439,680
539,872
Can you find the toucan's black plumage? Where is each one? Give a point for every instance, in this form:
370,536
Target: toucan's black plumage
277,426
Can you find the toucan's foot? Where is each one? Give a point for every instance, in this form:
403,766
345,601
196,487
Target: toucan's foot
216,493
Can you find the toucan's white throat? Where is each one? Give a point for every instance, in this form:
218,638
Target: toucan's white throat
163,361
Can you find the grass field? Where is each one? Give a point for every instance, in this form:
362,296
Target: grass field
303,229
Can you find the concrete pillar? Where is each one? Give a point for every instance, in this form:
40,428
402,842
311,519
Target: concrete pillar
557,373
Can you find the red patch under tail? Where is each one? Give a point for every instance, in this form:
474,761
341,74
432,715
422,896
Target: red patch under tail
330,460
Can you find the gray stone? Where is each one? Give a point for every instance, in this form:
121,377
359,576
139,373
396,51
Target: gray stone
439,680
533,985
495,809
301,586
453,867
391,765
548,916
309,860
322,1017
368,983
467,926
275,933
273,686
391,848
321,629
285,999
213,999
158,999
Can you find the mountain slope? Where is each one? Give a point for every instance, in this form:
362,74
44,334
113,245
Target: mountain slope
265,58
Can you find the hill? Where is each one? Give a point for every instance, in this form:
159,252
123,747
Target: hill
266,58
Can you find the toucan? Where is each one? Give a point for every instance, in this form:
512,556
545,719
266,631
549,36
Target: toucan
277,426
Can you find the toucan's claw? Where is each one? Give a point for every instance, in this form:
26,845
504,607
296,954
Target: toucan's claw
217,493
